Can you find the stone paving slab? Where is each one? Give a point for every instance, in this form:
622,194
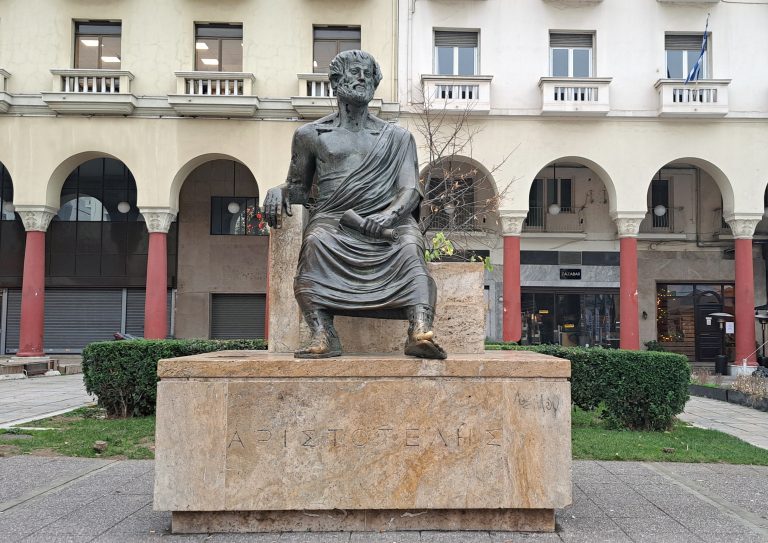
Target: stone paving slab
23,400
747,424
82,500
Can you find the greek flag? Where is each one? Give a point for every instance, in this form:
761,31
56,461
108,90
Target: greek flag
695,72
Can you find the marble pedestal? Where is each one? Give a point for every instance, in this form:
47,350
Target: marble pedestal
256,441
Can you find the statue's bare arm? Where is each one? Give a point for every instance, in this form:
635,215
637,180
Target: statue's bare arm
408,197
298,185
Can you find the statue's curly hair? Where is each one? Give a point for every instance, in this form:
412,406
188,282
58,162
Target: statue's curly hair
340,61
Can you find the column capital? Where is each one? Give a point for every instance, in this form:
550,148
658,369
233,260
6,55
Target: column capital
35,218
158,219
743,225
512,222
628,223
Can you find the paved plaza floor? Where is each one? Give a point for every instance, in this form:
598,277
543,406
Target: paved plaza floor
49,499
23,400
745,423
56,499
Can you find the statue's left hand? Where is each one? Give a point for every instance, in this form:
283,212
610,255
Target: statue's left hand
374,224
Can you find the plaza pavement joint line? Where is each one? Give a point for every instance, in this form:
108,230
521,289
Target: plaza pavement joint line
750,520
54,486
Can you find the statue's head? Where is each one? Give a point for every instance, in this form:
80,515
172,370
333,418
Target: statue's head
354,76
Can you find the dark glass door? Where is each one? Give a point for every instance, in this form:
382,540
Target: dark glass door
708,333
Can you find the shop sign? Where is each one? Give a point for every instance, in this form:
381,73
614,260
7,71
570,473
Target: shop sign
570,273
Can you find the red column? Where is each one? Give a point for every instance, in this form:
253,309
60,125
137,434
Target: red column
512,326
628,308
745,303
266,308
156,302
32,324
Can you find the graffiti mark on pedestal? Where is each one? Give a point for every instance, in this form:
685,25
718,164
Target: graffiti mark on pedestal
538,402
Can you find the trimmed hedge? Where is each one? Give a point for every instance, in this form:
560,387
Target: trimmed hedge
123,374
641,390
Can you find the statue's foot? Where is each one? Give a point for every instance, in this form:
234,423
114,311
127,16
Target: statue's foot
320,346
423,346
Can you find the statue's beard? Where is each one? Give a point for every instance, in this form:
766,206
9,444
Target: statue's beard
347,93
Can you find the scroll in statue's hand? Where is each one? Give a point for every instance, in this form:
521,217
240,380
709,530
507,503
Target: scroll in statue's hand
376,223
275,203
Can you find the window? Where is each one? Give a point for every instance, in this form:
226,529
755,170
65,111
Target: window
682,52
546,192
6,196
455,53
660,197
219,47
97,45
237,216
329,41
100,190
570,55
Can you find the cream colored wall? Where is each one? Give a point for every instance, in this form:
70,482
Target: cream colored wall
158,38
629,46
214,264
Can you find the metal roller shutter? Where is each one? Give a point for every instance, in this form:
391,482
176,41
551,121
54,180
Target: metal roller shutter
455,39
12,320
76,317
561,39
682,42
134,312
238,316
73,318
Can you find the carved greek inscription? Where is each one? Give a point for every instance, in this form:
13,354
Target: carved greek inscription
494,435
451,438
236,439
538,402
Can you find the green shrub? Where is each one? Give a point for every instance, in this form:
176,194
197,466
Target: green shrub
641,390
123,374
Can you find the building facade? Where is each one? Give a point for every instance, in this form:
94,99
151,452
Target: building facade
137,142
629,204
617,203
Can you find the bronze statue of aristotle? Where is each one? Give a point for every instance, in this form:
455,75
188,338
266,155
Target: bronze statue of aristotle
362,252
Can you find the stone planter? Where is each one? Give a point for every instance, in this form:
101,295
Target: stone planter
708,392
734,396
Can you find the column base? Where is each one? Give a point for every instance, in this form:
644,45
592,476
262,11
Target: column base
34,365
504,520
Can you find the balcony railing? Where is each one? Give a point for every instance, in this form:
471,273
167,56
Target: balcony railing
655,224
702,98
219,94
89,92
575,96
315,98
463,94
568,220
5,98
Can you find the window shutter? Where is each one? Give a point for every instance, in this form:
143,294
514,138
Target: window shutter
455,39
682,42
558,39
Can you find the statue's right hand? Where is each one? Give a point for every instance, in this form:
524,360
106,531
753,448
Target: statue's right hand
275,203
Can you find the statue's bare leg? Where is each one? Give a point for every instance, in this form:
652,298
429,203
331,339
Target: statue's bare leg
420,342
324,341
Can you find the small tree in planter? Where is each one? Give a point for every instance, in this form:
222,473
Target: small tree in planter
461,200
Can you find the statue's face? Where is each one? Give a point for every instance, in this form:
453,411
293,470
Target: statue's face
356,85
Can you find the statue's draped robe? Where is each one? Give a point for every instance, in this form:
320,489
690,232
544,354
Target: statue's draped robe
347,273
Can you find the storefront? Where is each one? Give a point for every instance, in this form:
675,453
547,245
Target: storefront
683,320
572,317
